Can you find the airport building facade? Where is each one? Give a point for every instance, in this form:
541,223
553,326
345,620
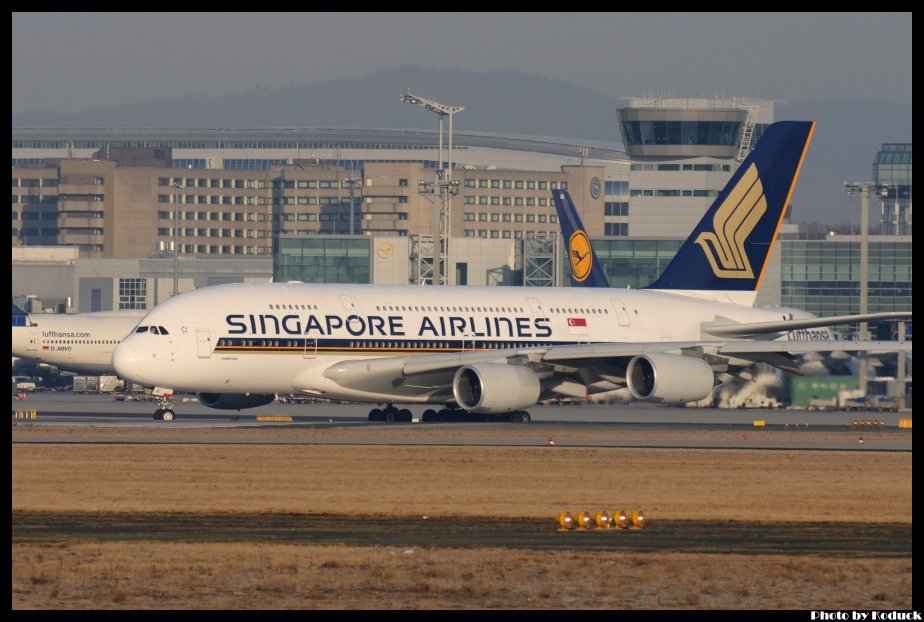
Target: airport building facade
112,191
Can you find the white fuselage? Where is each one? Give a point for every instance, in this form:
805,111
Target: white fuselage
77,342
281,338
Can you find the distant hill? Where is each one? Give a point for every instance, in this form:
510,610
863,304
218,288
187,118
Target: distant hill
508,102
848,136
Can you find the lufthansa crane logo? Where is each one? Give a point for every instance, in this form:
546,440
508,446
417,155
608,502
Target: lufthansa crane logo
732,224
579,255
385,250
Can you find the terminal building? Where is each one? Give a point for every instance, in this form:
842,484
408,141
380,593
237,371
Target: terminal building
365,205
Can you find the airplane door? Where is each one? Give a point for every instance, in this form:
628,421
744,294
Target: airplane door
311,348
536,307
204,339
622,314
33,342
349,305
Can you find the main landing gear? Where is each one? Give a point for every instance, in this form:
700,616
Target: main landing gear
390,414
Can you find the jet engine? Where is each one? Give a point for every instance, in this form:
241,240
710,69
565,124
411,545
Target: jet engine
670,378
495,387
234,401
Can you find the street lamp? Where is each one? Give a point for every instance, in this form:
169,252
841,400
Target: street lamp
863,190
444,178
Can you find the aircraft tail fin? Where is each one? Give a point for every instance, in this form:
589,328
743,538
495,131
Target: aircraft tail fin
18,316
586,269
728,251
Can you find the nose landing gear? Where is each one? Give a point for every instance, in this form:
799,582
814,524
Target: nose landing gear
164,410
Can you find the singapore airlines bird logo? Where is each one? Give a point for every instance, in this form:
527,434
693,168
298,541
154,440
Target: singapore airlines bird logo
579,254
732,224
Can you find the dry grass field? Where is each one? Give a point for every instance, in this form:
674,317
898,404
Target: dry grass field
774,488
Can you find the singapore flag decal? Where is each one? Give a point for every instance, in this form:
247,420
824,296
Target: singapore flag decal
577,326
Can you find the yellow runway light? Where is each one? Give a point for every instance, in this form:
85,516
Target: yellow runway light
620,519
584,520
565,520
638,519
603,520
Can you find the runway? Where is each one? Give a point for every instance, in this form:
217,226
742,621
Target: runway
589,425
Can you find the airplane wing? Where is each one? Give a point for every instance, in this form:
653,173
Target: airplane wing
683,369
782,326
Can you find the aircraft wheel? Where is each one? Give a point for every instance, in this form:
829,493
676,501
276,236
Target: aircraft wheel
428,415
167,415
159,413
376,415
390,415
521,417
405,415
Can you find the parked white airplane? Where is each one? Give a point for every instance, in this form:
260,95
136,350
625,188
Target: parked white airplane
498,350
77,342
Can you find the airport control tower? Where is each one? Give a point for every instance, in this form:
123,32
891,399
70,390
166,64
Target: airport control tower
683,151
892,174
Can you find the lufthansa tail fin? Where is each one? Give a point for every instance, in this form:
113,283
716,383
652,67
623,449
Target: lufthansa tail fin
586,270
725,257
18,316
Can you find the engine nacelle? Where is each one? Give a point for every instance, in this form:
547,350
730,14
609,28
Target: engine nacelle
234,401
495,387
670,378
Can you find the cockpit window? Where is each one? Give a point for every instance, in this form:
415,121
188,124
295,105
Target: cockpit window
155,330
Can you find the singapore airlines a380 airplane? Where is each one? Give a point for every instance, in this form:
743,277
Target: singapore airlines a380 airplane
498,350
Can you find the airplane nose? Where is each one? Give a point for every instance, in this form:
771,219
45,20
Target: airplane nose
127,362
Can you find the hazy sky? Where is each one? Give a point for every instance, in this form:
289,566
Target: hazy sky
69,62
